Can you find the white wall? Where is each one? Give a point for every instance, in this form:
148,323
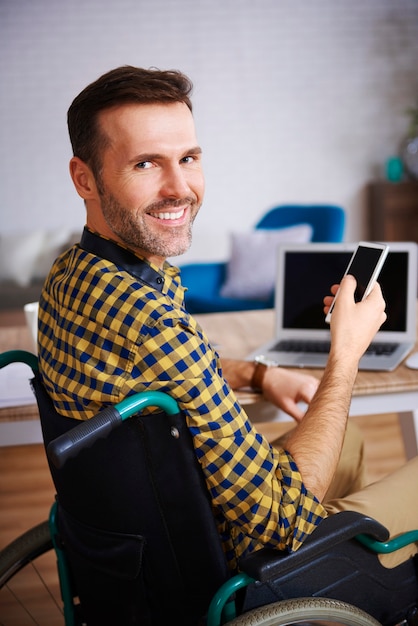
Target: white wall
294,101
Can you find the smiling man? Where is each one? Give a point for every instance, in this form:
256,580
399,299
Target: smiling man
112,322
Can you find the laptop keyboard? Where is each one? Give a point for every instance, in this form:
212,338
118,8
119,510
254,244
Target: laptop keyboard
322,347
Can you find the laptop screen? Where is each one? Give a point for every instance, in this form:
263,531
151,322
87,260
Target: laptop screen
309,274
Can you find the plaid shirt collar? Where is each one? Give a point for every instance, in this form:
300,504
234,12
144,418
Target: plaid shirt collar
122,257
166,281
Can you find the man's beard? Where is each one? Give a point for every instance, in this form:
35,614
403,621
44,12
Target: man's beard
135,233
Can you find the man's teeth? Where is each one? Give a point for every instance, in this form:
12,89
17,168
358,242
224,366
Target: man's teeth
170,216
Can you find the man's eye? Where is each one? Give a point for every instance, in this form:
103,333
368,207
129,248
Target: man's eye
188,159
144,165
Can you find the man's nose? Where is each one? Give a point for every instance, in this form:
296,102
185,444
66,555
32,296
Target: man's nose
176,183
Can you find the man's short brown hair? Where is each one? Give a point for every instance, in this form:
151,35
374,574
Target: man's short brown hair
123,85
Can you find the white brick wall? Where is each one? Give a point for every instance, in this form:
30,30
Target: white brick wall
294,101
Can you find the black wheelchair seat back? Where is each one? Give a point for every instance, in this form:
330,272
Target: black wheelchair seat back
136,520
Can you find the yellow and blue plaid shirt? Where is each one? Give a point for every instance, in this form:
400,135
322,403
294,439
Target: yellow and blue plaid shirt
110,325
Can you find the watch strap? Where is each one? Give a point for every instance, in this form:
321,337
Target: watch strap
258,376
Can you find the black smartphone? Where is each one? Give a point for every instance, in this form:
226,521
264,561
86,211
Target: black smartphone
365,265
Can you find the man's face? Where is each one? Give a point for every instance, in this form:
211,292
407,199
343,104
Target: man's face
151,184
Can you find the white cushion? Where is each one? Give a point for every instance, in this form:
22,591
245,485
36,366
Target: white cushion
251,269
54,243
27,256
18,254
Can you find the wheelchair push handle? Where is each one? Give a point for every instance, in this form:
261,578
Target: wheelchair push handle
85,434
19,356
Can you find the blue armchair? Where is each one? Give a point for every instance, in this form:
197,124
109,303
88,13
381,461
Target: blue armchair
205,279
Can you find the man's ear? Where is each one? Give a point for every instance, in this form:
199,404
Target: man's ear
83,179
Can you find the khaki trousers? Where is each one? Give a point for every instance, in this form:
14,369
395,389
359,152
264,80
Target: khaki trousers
393,500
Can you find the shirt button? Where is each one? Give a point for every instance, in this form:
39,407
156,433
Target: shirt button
159,280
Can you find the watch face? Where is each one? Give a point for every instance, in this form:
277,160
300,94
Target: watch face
265,361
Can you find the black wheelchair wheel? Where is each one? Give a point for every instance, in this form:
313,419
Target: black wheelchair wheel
306,611
29,586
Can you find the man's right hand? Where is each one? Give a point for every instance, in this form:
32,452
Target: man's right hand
354,324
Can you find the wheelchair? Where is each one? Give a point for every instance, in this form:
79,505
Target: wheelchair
135,539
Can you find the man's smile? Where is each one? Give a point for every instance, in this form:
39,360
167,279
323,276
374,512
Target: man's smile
167,215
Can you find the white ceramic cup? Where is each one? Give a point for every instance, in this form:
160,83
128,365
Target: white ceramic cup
31,314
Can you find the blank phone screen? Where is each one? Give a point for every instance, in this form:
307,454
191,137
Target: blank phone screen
362,268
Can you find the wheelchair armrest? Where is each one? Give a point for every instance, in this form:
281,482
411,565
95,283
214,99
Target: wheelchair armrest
267,563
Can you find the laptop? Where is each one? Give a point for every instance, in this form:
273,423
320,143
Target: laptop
305,273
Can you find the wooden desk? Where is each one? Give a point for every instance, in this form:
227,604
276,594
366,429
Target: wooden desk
236,335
